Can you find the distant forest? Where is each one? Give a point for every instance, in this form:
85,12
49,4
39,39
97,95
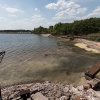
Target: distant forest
78,27
14,31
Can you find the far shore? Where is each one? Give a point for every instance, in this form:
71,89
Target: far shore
16,33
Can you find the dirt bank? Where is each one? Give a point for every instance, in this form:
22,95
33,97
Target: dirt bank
88,45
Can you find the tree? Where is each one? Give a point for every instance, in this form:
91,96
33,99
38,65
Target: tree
79,27
50,29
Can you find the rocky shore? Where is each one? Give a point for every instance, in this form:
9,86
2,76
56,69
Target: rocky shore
51,91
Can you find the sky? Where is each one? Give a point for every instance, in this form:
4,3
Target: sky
29,14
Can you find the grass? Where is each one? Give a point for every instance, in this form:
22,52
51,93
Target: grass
93,38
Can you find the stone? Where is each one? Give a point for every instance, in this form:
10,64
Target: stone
38,96
63,98
52,98
97,94
51,91
86,86
77,98
66,89
74,90
80,88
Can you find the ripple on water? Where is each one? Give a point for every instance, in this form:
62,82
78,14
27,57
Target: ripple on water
32,57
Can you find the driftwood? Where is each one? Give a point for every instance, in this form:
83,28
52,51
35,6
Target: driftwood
91,74
93,71
24,94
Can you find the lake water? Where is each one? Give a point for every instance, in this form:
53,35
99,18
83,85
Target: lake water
31,57
24,46
24,42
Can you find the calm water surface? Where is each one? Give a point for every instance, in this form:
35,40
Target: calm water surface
23,46
22,50
20,42
32,57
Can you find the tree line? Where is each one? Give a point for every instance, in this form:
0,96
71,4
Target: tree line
14,31
78,27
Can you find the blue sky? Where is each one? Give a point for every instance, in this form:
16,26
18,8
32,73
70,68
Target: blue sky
28,14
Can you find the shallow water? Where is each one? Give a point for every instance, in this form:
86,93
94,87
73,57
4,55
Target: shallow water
31,57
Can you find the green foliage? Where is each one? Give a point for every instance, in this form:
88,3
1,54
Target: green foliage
58,28
94,38
80,27
50,29
40,30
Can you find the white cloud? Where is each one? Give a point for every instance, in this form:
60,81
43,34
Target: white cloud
37,18
94,13
62,4
3,6
27,24
36,9
13,10
69,13
66,9
81,10
24,24
17,24
2,18
12,15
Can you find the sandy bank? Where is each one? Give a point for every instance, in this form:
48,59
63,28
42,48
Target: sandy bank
84,46
47,35
88,45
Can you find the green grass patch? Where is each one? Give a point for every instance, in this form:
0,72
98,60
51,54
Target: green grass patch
93,38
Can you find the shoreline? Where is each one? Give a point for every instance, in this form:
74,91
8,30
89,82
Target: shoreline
90,44
85,46
51,91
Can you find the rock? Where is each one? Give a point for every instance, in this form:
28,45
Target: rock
86,86
18,98
29,99
59,94
38,96
66,89
80,88
52,98
77,98
63,98
13,95
74,90
51,91
97,94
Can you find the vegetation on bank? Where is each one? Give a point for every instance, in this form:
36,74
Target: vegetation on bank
79,27
14,31
93,38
